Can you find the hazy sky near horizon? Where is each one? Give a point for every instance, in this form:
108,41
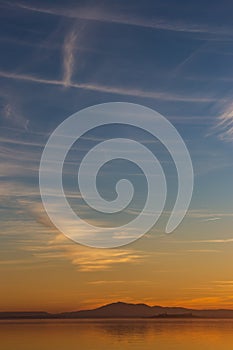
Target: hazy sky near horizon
59,57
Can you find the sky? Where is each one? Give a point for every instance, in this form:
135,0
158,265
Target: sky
57,58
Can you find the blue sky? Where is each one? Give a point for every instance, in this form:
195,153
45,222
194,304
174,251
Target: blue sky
58,57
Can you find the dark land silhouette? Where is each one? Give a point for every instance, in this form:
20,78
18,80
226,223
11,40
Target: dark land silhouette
124,310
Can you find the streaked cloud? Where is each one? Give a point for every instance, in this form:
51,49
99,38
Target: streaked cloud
203,251
69,56
224,240
46,243
108,282
11,111
206,215
109,89
223,284
105,260
101,15
86,259
211,219
225,124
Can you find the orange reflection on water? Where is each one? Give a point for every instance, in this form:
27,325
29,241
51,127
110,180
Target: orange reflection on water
117,334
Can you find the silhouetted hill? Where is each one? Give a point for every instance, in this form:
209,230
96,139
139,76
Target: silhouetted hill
124,310
24,315
114,310
185,315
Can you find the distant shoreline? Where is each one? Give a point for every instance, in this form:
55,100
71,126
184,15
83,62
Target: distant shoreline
121,310
54,317
113,318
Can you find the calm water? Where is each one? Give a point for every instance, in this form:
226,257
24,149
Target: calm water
120,334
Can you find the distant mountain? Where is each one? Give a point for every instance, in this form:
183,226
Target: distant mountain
123,310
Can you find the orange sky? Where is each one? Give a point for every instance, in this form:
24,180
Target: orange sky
60,57
47,271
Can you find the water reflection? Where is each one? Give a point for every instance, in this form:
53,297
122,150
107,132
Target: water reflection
117,334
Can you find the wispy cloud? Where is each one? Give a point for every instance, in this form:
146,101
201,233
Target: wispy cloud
225,125
109,89
105,260
11,111
224,240
206,216
68,56
47,244
85,259
203,251
211,219
39,241
102,15
109,282
223,284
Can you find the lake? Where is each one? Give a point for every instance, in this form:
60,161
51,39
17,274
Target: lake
117,334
